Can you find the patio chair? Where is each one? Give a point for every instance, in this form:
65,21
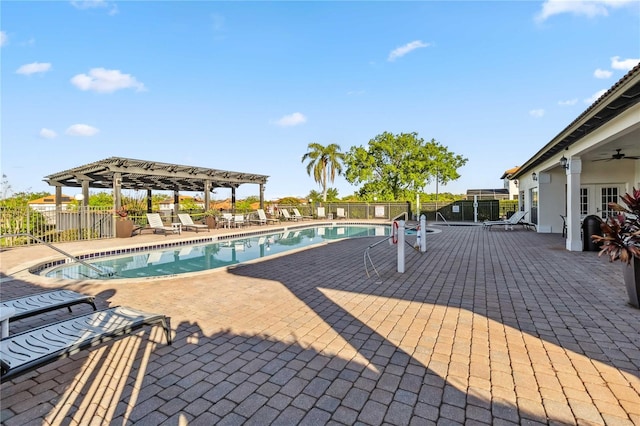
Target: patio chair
515,219
187,223
286,215
155,223
36,347
298,216
40,303
238,221
340,213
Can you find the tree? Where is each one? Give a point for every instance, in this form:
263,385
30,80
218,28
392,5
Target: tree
396,167
324,163
315,196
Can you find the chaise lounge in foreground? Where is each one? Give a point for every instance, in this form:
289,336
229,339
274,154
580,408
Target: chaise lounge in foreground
23,352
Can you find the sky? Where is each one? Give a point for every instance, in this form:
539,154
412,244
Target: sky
247,86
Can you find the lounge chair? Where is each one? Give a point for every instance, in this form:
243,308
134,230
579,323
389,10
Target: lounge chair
155,223
34,348
321,213
515,219
340,214
44,302
187,223
286,215
298,216
263,219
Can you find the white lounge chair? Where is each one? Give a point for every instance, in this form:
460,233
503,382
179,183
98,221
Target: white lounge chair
155,223
515,219
187,223
286,215
263,219
321,213
298,216
340,214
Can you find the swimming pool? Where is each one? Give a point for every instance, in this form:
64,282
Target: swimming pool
190,257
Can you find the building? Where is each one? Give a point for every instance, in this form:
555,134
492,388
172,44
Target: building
48,203
590,163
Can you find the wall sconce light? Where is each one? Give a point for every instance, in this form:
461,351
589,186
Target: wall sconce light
516,182
534,176
564,163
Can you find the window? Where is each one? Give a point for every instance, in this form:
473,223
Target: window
584,201
607,195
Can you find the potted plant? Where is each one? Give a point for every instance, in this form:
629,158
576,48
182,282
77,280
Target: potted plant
124,225
621,241
210,218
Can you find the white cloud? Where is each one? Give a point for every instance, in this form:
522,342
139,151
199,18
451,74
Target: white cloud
3,38
81,130
34,68
588,8
355,92
47,133
595,97
403,50
95,4
568,102
536,112
106,81
624,64
291,120
602,73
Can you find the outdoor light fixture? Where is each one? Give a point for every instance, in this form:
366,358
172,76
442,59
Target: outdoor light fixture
534,176
564,163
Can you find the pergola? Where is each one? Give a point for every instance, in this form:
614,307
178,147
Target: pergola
119,173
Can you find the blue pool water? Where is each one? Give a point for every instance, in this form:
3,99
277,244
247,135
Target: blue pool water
201,257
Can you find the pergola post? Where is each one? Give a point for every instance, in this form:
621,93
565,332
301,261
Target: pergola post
149,201
207,195
233,199
176,203
262,196
85,192
117,196
58,197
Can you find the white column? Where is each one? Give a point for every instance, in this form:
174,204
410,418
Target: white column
423,233
400,246
574,240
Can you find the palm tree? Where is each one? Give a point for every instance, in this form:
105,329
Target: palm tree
324,160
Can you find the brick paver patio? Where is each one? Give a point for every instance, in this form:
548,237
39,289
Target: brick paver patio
487,327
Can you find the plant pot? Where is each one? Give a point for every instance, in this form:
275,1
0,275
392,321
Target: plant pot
124,228
210,221
631,274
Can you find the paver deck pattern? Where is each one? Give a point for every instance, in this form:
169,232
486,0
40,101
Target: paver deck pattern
487,327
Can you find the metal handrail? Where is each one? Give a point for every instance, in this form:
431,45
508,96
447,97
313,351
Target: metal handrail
445,220
405,214
367,256
69,255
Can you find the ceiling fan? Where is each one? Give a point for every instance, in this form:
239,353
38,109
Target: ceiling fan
618,156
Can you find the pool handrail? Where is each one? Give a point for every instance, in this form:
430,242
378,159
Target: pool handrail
69,255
